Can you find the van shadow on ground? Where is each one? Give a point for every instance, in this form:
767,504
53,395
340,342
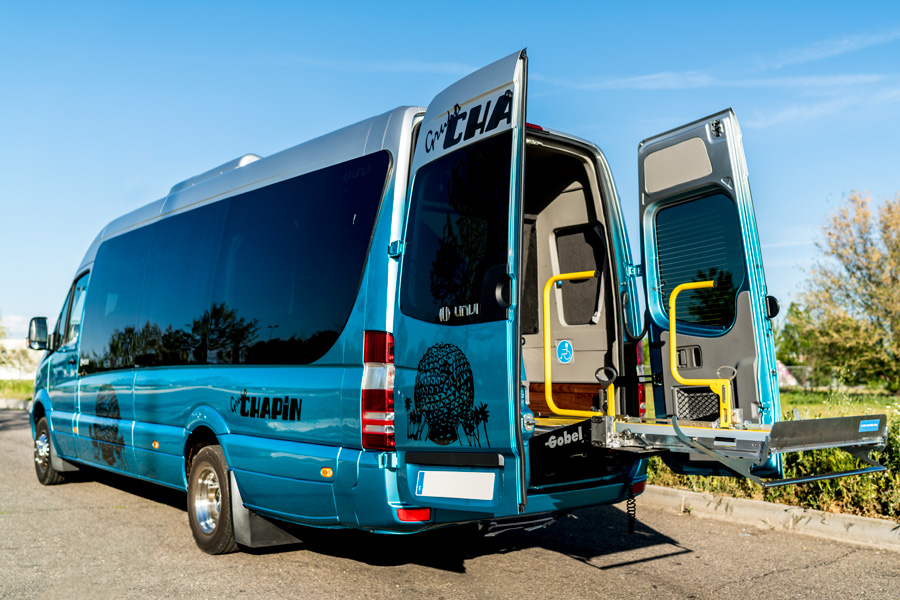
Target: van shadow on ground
588,534
591,533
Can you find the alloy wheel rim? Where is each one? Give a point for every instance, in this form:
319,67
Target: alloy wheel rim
207,500
42,451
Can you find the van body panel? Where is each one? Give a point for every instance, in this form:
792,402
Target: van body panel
697,223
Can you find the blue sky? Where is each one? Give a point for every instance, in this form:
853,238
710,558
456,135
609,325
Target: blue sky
105,106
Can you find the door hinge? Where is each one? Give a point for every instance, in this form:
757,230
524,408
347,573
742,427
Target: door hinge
634,270
395,249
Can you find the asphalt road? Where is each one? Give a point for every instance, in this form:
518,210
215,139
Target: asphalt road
103,536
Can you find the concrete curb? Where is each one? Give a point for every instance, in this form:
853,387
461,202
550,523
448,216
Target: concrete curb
10,404
879,533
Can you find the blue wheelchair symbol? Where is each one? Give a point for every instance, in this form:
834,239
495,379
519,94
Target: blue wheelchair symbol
564,352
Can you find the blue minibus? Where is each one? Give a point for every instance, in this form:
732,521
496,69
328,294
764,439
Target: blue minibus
428,318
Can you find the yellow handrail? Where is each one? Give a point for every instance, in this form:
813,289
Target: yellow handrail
720,387
548,360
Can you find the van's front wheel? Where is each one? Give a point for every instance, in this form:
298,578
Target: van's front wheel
46,474
209,502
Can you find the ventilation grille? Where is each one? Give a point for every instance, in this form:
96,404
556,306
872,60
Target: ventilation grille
696,404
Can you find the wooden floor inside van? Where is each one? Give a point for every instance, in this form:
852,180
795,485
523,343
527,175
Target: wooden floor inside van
571,396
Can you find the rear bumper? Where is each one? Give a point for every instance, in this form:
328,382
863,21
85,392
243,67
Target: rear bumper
376,499
281,479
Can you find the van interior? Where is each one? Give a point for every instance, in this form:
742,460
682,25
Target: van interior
565,231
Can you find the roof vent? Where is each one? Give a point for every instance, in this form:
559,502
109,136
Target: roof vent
230,165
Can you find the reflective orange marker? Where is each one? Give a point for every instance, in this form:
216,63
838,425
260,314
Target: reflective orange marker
327,472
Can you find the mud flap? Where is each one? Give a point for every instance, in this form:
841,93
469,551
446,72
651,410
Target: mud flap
252,530
60,464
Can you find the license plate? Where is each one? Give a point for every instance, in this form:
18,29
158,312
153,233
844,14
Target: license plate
456,484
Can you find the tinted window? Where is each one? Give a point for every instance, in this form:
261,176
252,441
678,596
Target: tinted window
113,301
60,328
290,264
700,240
174,317
78,296
457,237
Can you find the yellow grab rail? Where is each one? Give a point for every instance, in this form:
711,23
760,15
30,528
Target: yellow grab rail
548,359
720,387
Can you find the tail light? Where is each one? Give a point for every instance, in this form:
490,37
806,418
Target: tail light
638,487
378,391
414,515
641,392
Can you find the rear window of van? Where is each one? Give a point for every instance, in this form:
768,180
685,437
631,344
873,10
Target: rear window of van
458,235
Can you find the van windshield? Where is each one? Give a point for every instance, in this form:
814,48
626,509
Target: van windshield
458,235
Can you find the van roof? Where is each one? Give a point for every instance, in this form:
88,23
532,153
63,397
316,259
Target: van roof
382,132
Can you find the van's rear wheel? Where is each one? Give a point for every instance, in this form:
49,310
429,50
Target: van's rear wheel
209,502
46,474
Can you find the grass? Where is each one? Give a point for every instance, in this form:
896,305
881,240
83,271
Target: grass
876,495
16,389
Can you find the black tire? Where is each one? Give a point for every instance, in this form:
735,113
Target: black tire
209,502
46,474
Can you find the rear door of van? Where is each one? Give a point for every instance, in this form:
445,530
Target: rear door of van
698,224
456,326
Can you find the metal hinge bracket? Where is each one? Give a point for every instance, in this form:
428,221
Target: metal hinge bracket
395,249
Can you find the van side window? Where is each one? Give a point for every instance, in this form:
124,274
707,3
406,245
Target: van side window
700,240
111,310
291,262
174,319
60,328
78,295
458,235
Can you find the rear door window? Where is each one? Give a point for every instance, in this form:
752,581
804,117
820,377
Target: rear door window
457,243
700,240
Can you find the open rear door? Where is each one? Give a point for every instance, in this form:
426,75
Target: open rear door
456,325
698,224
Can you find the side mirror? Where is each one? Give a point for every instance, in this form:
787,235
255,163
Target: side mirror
37,333
772,307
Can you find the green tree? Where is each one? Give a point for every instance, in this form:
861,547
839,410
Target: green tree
849,313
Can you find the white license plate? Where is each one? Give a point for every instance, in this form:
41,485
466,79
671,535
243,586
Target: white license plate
456,484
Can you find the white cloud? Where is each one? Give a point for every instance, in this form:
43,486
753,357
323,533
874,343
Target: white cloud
832,47
655,81
799,112
697,80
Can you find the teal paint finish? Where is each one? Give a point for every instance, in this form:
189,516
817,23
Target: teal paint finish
167,469
281,458
300,501
62,429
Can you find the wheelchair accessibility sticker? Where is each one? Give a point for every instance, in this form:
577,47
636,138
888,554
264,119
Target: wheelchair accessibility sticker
564,352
